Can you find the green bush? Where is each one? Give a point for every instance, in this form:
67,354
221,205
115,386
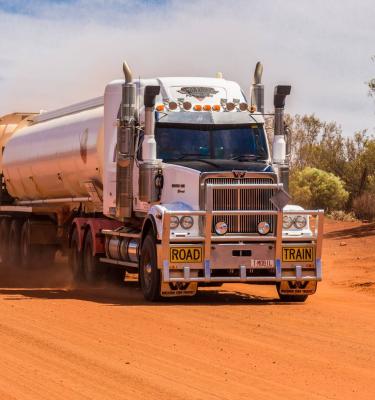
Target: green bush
314,188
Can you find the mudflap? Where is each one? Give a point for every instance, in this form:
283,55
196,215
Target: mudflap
174,289
298,287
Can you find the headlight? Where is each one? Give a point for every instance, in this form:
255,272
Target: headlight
221,228
263,227
174,222
300,222
186,222
287,221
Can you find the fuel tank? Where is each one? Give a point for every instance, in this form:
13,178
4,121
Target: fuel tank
56,154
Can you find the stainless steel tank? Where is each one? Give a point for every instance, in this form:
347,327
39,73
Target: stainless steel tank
57,154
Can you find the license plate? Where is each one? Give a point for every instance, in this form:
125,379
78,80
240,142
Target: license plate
295,254
186,254
262,264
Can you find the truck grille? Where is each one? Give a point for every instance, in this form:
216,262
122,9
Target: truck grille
242,199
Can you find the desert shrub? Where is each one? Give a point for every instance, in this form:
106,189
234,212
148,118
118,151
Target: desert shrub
314,188
364,206
339,215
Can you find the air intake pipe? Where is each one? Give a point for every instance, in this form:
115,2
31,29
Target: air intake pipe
257,88
279,144
150,173
125,146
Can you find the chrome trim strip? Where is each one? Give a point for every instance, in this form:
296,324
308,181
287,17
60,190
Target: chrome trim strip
247,279
244,212
122,234
54,201
245,186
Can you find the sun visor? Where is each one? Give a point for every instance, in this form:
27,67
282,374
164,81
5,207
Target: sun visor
205,118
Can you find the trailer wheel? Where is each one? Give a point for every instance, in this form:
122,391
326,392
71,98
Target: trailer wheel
149,274
93,270
47,255
28,251
298,298
4,240
15,243
75,258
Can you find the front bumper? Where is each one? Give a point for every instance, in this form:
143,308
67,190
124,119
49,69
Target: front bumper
218,252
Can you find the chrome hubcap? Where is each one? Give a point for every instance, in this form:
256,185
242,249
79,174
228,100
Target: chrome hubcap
147,276
148,268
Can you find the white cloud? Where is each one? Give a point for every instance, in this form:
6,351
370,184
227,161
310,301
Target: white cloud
55,53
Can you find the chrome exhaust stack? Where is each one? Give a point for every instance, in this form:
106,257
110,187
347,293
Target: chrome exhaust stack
257,89
125,146
279,147
150,172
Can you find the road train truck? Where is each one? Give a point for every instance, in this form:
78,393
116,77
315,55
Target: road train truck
170,178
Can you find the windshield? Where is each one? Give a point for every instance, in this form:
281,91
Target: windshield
240,142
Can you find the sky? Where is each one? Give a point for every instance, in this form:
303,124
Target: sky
57,52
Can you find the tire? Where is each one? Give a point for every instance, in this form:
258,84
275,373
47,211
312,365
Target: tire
75,258
4,240
29,254
288,298
34,255
14,253
47,255
93,270
149,275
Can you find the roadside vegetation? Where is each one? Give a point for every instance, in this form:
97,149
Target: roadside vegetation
329,170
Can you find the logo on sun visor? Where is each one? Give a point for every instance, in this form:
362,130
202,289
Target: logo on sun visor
199,92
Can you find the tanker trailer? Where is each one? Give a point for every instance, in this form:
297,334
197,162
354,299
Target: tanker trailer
171,178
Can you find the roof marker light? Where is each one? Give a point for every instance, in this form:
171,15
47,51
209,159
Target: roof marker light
160,107
207,107
216,107
197,107
230,106
244,106
253,108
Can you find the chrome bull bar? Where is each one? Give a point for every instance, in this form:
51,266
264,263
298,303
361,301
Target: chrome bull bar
207,238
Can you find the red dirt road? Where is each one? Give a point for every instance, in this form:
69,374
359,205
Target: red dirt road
235,342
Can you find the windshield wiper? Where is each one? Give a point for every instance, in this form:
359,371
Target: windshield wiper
246,157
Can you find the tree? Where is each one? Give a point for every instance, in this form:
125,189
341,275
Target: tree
314,188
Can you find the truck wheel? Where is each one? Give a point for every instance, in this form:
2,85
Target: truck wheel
4,240
149,274
75,258
14,255
289,298
93,270
47,255
28,251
